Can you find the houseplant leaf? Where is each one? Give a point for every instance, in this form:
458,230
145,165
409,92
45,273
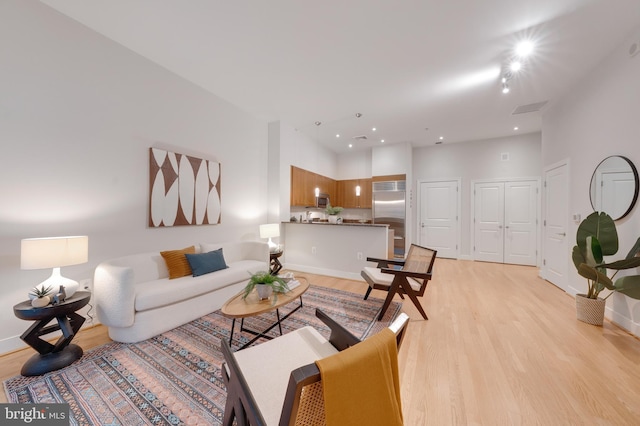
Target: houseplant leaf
591,273
633,262
593,251
602,226
629,285
634,250
577,257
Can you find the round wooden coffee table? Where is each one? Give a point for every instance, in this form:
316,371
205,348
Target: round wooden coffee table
237,307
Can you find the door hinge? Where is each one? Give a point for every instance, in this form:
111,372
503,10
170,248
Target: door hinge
544,222
545,183
544,261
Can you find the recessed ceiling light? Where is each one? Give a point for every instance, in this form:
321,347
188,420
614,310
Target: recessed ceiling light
524,48
441,138
381,140
515,66
515,128
350,145
374,129
337,136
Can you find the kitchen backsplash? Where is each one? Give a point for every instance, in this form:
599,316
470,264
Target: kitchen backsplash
319,214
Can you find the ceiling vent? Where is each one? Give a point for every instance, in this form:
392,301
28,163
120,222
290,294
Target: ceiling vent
523,109
360,138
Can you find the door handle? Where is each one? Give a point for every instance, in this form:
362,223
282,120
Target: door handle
499,226
507,226
562,234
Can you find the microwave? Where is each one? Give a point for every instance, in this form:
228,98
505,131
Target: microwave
322,201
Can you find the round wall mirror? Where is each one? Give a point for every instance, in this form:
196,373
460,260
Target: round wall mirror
614,186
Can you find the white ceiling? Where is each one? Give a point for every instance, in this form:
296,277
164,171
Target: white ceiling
404,65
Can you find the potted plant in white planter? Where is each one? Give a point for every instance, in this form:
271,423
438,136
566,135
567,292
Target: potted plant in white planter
40,296
597,237
266,285
333,213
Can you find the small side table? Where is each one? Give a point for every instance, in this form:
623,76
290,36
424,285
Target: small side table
274,263
52,357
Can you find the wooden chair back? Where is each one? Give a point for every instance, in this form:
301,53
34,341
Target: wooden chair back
419,261
303,403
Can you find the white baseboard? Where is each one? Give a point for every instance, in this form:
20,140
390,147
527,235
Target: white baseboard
324,271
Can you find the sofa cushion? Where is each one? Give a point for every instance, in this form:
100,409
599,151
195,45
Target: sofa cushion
205,263
177,262
156,293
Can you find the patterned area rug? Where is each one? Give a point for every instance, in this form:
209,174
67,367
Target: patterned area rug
174,378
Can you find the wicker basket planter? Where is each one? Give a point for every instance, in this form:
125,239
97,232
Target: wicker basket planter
590,311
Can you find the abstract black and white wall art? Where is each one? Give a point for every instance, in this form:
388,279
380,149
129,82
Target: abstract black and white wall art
184,190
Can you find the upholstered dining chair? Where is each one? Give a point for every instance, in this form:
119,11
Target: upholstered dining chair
409,276
278,382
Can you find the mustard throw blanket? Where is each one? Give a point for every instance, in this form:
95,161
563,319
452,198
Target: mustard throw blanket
361,384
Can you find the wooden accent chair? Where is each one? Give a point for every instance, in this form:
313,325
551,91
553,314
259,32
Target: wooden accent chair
410,279
277,382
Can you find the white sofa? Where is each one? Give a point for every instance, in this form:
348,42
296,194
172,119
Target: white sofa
136,299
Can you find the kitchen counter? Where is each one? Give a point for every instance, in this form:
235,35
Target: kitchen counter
340,224
338,250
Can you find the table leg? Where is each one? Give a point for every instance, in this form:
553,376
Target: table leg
233,325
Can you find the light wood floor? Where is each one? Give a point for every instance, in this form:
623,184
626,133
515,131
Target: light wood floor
501,347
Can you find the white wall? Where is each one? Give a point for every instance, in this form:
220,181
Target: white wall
597,119
354,165
477,160
78,114
296,149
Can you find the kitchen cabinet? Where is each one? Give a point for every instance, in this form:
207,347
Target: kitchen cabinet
346,193
303,185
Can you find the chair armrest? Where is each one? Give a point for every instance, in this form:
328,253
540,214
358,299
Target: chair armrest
299,378
426,276
240,386
340,338
384,263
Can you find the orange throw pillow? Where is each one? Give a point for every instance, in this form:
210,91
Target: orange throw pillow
177,262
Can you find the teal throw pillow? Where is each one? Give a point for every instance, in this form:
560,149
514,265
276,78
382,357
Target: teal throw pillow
204,263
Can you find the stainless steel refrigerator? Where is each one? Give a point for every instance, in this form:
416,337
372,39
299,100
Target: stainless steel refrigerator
389,208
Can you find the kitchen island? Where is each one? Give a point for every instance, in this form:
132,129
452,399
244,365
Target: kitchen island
338,250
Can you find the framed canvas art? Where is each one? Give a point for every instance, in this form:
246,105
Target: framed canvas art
184,190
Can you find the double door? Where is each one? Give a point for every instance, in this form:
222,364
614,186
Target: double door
505,223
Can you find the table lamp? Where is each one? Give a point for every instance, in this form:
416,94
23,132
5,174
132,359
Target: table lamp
269,231
55,252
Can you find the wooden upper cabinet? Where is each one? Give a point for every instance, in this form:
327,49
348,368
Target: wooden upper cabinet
346,191
304,183
341,193
366,191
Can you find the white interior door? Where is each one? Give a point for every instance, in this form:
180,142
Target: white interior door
438,225
555,240
489,221
521,223
506,222
614,192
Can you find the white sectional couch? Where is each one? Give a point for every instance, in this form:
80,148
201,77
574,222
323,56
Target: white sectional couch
136,299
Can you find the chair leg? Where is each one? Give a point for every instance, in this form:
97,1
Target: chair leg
409,292
393,289
366,295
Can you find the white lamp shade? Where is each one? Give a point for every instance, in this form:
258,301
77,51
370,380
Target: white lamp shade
270,230
54,252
